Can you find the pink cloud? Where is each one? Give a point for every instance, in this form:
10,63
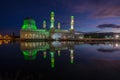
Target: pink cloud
95,8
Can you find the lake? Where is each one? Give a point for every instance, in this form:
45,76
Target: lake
59,60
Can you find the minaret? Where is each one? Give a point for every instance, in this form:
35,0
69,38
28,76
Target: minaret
52,20
72,23
44,24
59,25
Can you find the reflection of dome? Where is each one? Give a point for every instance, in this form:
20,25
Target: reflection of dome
30,54
29,24
56,36
56,44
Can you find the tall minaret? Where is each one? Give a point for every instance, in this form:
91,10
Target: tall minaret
52,20
59,25
44,24
72,23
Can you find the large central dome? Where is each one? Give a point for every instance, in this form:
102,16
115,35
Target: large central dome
29,24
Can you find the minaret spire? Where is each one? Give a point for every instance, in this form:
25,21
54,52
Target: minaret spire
59,25
44,24
52,20
72,23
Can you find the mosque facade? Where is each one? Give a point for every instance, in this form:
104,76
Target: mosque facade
30,31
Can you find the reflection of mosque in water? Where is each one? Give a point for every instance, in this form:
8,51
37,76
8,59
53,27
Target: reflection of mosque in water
4,42
30,49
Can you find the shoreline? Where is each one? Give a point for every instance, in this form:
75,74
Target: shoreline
85,39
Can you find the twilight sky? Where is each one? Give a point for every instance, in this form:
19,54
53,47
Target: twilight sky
90,15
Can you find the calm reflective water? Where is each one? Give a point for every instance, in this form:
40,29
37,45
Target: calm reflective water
59,60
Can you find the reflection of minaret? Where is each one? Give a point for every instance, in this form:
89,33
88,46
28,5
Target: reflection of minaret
52,59
58,52
59,25
44,54
52,20
44,24
72,23
72,56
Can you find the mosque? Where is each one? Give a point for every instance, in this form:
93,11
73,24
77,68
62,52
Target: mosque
29,31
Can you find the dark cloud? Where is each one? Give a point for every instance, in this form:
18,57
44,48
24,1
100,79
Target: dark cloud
95,8
102,26
107,11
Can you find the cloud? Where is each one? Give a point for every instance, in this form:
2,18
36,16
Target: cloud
107,11
95,8
102,26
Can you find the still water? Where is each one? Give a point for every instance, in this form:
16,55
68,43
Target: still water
59,60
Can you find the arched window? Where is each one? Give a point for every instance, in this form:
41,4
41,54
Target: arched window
29,35
40,36
33,35
37,35
43,36
26,36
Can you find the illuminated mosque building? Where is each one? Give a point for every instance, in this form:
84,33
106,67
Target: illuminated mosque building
29,30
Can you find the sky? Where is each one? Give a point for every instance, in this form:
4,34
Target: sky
90,15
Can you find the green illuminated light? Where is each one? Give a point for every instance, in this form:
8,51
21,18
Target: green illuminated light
30,55
71,56
44,24
44,54
52,60
52,13
29,24
72,17
72,22
52,20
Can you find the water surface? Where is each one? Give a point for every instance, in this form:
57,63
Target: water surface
59,60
